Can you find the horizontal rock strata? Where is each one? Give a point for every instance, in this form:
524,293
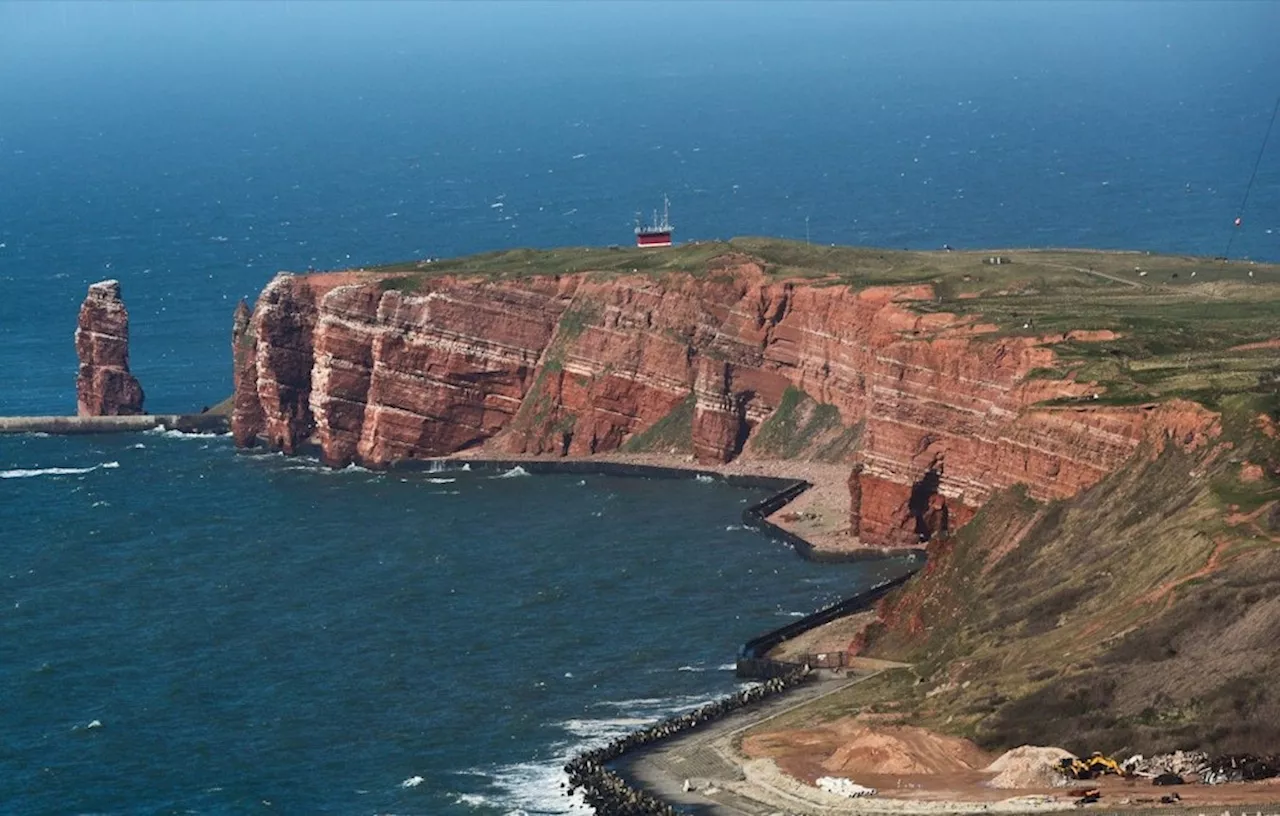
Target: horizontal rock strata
581,364
104,385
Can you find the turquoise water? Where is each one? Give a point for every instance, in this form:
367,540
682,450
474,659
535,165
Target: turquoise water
258,634
188,629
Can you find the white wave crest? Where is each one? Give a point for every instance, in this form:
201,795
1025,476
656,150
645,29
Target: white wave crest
604,730
29,473
474,800
513,473
441,480
169,433
536,787
412,782
705,479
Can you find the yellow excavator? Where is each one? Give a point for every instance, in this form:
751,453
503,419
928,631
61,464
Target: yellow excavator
1094,766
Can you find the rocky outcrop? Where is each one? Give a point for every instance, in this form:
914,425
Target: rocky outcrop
373,371
247,421
104,385
719,421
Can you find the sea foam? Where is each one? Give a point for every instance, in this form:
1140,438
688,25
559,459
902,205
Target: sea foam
513,473
29,473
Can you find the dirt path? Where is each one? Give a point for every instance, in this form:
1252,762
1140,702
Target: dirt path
1214,563
1095,273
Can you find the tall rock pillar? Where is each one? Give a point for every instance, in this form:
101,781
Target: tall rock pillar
104,386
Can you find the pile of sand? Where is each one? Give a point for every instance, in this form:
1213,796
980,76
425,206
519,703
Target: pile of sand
1030,766
901,750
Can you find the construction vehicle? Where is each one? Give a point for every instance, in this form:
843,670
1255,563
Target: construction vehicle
1094,766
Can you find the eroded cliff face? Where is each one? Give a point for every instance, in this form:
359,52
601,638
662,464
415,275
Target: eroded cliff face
104,385
579,364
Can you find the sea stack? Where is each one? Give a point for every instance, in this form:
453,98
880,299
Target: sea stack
104,386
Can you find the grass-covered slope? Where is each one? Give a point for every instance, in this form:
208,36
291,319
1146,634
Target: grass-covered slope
1143,614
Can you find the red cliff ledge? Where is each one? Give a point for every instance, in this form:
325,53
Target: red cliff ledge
578,364
104,386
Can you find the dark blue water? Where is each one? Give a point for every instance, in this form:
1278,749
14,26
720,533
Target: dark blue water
192,151
253,630
186,629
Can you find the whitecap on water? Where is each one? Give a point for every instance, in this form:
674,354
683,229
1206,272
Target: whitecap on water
28,473
412,782
441,480
704,478
172,434
513,473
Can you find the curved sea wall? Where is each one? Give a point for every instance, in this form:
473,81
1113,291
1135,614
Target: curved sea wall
604,789
940,410
608,793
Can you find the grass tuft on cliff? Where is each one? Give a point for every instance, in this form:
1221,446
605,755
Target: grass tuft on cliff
803,428
671,434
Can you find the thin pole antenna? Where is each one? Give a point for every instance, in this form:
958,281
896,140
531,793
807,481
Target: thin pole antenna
1249,187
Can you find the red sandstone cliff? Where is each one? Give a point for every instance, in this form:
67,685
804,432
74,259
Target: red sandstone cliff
578,365
104,386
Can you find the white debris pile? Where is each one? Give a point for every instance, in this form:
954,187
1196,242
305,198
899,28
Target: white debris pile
1028,766
844,787
1182,763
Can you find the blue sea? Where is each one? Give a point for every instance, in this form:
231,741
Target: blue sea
188,629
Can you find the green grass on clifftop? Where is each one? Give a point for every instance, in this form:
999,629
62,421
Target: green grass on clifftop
1179,319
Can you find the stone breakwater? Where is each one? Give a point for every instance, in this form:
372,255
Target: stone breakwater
608,793
943,410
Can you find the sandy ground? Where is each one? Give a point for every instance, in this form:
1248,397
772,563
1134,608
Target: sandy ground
918,771
826,639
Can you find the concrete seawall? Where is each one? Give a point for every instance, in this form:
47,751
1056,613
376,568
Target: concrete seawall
70,425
